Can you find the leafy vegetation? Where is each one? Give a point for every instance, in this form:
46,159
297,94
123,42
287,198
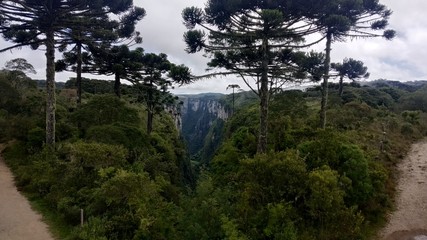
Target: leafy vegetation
266,171
335,183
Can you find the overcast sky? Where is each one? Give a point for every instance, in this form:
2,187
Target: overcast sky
403,59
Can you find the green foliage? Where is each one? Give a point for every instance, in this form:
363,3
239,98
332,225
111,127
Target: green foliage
352,115
9,96
412,117
35,139
348,160
65,131
230,230
244,141
272,178
95,229
130,137
311,184
355,167
95,155
104,110
212,141
92,86
325,195
407,129
20,65
280,225
326,206
203,211
261,45
263,191
416,101
323,151
375,98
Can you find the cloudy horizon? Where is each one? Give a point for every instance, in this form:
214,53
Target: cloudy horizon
403,59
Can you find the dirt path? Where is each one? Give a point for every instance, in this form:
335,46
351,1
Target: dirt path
17,220
409,220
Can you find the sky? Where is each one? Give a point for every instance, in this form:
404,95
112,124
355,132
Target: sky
403,59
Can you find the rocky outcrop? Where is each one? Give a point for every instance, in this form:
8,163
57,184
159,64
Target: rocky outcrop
198,114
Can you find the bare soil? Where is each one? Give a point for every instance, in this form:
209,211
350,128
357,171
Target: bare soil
17,220
409,220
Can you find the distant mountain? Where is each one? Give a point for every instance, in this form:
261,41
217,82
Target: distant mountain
42,84
411,86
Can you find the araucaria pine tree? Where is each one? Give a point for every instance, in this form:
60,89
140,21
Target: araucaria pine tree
351,69
343,19
48,22
254,40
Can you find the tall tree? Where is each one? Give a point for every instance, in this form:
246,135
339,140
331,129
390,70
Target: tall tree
254,40
119,61
21,65
233,86
156,76
351,69
102,33
47,22
342,19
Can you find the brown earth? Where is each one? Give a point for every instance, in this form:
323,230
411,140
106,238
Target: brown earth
17,220
409,220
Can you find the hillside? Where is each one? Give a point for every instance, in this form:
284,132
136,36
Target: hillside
133,184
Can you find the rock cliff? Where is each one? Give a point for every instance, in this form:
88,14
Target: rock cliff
202,118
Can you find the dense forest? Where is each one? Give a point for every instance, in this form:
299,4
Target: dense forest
333,183
263,164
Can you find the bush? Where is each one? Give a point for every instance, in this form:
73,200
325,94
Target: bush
118,134
407,130
35,139
105,110
95,155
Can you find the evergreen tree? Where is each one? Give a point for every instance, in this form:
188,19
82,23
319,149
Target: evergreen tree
20,65
119,61
102,33
153,81
351,69
233,86
342,19
48,22
254,40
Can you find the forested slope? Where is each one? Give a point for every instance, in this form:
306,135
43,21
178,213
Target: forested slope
335,183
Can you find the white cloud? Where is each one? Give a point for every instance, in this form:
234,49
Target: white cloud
403,59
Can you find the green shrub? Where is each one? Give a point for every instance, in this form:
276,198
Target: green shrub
65,131
105,110
35,139
95,155
128,136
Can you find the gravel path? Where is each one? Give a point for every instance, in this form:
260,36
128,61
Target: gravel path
409,220
17,220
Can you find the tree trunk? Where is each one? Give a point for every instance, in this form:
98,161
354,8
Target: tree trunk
325,89
50,89
117,85
264,98
79,74
341,88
